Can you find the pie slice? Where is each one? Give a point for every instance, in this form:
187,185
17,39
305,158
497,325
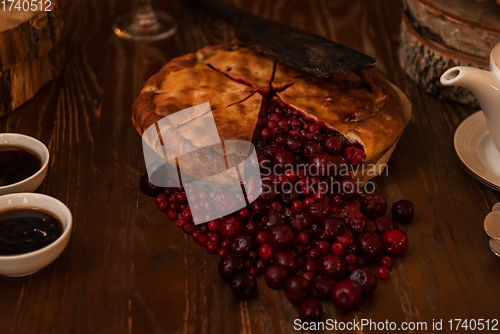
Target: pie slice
354,117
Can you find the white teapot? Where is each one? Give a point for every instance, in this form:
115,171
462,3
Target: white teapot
485,85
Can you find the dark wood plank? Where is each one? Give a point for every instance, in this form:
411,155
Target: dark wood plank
126,269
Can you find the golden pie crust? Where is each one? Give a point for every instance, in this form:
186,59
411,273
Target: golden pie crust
362,106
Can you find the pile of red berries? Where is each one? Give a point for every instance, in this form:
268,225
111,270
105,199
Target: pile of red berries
311,247
311,232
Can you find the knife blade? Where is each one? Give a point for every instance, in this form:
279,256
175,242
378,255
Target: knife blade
292,46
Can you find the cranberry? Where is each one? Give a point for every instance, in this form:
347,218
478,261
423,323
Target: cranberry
159,198
258,208
313,230
212,247
276,206
386,261
213,225
282,160
297,206
221,253
323,247
214,237
243,285
271,219
395,242
310,265
265,252
311,310
243,213
261,237
275,277
374,205
188,228
344,240
322,164
367,280
286,260
162,205
354,155
294,143
224,200
230,227
171,214
207,188
186,214
269,191
402,211
383,272
324,287
334,145
313,128
148,188
202,240
280,237
266,133
337,248
308,201
312,254
311,148
303,238
297,289
370,226
228,266
357,225
332,266
383,224
347,294
351,211
330,229
241,245
349,189
180,223
351,259
289,194
291,175
318,210
295,124
251,228
369,246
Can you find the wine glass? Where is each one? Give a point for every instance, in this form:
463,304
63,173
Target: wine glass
145,24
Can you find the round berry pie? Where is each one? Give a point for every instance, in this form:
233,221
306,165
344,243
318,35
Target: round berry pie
311,232
355,117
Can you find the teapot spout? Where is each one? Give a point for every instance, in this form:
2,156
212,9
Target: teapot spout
483,84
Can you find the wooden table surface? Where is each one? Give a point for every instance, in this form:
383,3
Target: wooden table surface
128,270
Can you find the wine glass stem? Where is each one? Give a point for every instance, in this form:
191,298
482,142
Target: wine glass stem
145,15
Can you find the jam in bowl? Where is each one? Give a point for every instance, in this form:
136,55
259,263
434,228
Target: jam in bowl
34,230
23,163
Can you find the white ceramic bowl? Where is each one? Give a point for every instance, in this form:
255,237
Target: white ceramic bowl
28,263
31,183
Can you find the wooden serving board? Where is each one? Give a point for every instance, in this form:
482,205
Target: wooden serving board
439,34
30,55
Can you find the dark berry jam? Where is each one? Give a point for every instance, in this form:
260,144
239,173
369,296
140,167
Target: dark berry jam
26,230
17,164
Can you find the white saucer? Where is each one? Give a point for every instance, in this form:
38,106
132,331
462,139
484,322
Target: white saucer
476,151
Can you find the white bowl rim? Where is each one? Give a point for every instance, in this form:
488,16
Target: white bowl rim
64,235
42,168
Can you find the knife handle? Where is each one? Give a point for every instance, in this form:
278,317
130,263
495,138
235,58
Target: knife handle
221,9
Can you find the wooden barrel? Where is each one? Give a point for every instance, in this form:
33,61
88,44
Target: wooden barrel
30,52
